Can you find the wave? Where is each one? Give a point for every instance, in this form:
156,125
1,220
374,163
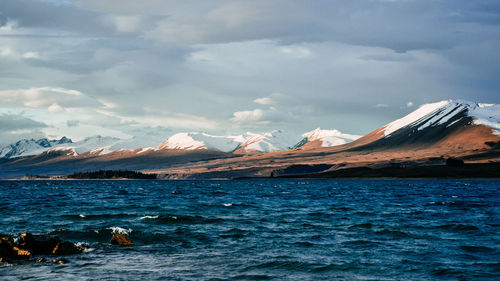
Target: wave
181,236
119,230
149,217
395,234
234,233
252,277
457,227
186,219
303,266
361,225
477,249
98,216
159,219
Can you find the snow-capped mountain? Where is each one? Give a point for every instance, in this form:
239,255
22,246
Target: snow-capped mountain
325,138
268,142
448,112
251,142
27,147
195,140
437,121
95,144
429,123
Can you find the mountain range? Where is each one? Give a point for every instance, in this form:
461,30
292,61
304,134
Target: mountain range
247,143
428,135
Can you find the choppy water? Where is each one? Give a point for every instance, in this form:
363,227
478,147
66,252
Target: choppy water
261,230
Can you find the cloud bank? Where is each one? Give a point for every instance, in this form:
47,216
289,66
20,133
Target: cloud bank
122,68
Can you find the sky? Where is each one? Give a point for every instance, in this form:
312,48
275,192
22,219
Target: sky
152,68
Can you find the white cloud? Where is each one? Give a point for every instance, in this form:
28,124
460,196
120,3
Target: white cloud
127,24
31,55
258,117
264,101
296,51
7,52
46,97
55,108
12,53
8,27
248,116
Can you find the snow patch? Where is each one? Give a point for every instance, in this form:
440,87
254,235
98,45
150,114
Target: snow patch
442,112
416,115
268,142
329,138
195,140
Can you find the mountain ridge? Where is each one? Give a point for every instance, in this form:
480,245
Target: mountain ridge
427,135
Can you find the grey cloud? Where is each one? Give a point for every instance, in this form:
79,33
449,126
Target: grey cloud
69,18
399,25
16,126
11,122
201,61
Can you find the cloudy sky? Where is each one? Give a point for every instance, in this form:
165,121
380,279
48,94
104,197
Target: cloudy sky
152,68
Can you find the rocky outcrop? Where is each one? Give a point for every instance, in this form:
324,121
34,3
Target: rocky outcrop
29,245
9,250
66,248
120,239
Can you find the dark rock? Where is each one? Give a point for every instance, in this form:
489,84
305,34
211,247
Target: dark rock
66,248
39,244
9,250
6,247
30,245
120,239
454,162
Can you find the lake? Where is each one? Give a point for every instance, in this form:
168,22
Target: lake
260,229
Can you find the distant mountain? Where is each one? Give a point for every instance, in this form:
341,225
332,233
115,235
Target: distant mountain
195,141
27,147
95,144
276,140
428,136
267,142
324,138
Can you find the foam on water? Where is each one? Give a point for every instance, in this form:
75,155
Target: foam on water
149,217
120,230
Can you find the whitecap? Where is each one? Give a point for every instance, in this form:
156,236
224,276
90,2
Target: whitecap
119,230
150,217
227,204
86,250
82,216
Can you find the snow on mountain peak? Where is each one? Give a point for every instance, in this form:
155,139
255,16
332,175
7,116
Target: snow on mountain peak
329,137
416,115
195,140
486,114
439,113
27,147
270,141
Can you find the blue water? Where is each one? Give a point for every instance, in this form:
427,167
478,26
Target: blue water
261,230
